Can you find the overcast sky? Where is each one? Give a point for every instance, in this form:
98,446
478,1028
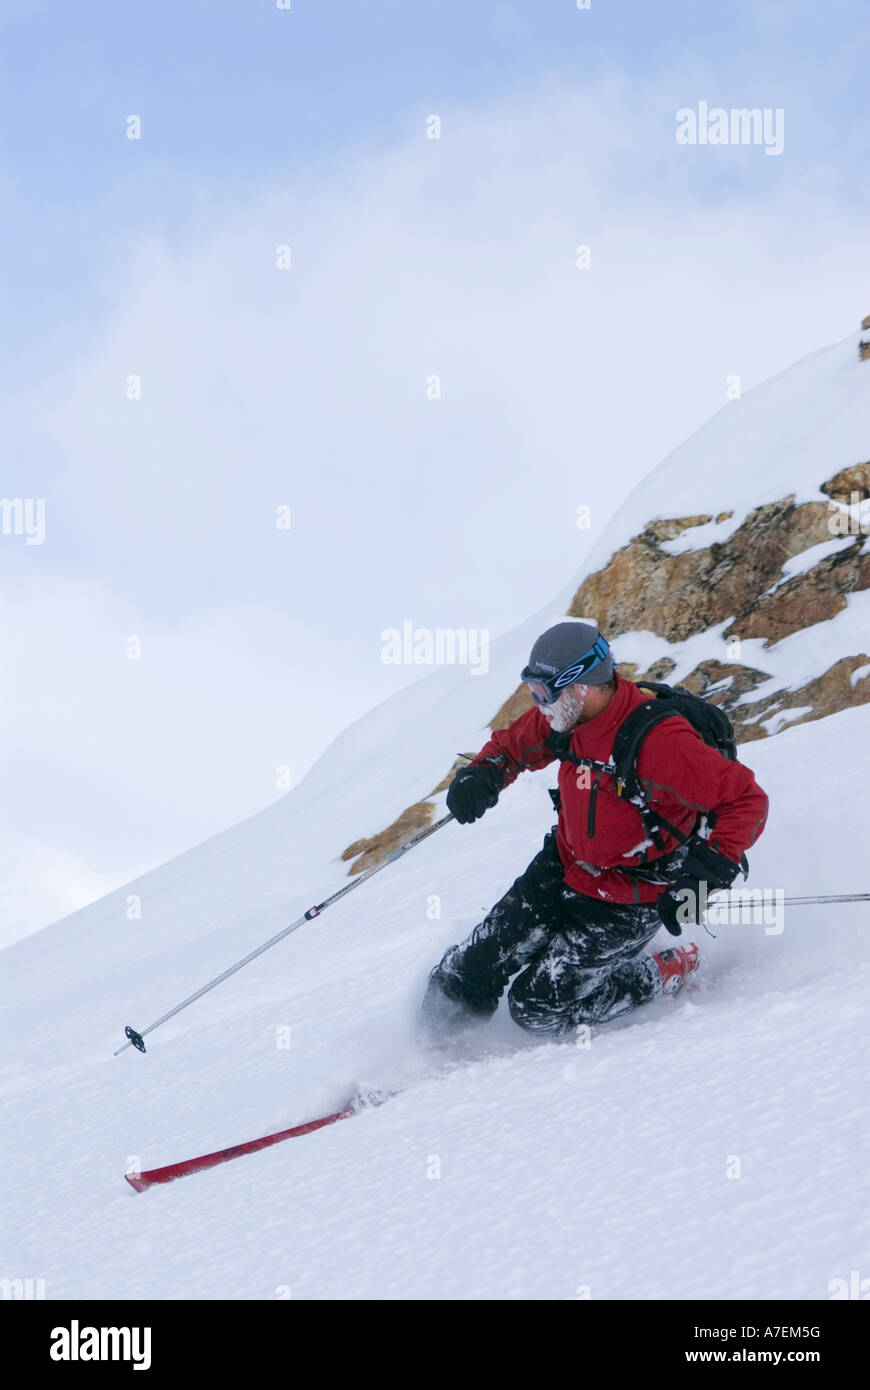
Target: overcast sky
311,387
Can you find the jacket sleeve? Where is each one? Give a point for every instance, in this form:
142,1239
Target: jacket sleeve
522,746
681,774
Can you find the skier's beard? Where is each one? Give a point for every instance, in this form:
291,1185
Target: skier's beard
567,710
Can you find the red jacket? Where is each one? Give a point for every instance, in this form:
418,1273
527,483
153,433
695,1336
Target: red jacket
682,776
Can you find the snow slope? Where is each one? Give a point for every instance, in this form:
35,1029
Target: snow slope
537,1170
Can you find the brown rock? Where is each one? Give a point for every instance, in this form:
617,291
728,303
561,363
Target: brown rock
847,481
723,683
659,671
750,733
812,597
862,579
375,850
827,694
657,531
803,527
645,588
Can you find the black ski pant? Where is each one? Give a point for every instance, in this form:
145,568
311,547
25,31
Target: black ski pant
580,960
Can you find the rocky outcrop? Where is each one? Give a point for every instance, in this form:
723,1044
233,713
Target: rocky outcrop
833,691
643,587
847,481
367,853
739,581
813,597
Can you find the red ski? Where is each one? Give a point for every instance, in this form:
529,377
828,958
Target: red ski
142,1181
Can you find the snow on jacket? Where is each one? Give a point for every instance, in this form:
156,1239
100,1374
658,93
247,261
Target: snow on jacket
682,778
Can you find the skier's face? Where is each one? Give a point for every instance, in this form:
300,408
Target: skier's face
566,712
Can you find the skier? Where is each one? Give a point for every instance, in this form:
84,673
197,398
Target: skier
574,925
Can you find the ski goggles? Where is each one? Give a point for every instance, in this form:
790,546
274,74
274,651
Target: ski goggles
546,685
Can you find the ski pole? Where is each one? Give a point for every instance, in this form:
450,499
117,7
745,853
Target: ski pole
135,1039
831,898
834,898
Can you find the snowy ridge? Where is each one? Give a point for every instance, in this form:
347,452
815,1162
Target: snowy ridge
785,436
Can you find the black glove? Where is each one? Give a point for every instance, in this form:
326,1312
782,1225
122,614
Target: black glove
702,864
472,791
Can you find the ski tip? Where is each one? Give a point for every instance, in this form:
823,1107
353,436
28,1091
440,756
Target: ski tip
137,1182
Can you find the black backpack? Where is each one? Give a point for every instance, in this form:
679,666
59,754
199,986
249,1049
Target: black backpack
712,724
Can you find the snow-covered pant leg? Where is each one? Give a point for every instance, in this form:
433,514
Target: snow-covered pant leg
474,974
592,969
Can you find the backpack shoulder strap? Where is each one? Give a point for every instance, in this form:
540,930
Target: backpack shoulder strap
629,740
633,731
